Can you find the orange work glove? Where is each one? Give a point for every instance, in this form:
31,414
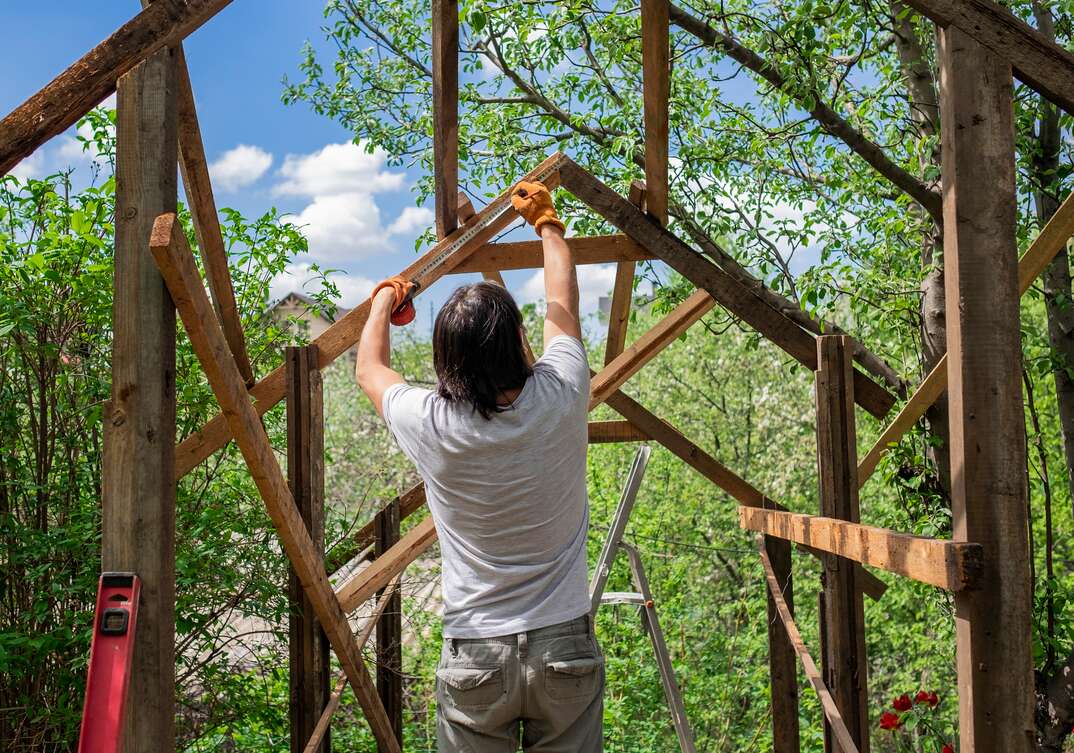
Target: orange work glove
534,203
403,309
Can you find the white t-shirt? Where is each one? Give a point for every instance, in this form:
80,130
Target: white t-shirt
507,495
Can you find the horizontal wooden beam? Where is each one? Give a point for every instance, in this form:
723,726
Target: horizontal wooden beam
175,261
648,346
88,81
728,292
1038,61
602,432
595,249
809,667
360,587
1053,236
951,565
344,333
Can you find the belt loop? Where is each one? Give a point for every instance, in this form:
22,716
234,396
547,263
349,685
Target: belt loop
523,645
454,648
589,628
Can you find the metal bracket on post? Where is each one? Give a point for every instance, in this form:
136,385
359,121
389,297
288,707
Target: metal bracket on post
643,598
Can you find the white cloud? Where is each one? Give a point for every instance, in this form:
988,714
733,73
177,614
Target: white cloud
300,278
239,167
31,167
342,228
411,221
337,168
594,280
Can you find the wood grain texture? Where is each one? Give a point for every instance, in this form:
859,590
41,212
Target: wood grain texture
987,440
390,627
308,655
782,660
138,492
362,585
950,565
648,346
619,311
843,659
809,667
346,331
445,59
176,263
601,432
728,292
89,80
597,249
1037,61
656,92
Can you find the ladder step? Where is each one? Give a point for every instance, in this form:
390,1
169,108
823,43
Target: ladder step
622,597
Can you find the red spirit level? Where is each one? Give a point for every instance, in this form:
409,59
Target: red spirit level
110,664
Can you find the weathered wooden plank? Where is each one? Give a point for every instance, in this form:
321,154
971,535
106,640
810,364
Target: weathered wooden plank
360,587
619,311
87,82
445,58
390,628
464,209
321,730
987,441
1037,60
648,346
309,650
602,432
202,204
950,565
782,661
345,332
844,659
656,92
1053,236
596,249
728,292
176,263
809,667
138,510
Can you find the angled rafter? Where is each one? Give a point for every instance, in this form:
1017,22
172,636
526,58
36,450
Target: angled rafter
360,587
338,338
648,346
1053,236
176,263
87,82
1037,60
409,501
727,291
603,432
831,712
597,249
445,54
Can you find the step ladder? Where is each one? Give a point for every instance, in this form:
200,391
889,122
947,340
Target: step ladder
642,597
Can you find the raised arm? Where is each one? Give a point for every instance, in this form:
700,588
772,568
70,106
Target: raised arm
534,203
372,369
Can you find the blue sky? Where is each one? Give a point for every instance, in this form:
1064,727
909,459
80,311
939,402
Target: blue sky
359,214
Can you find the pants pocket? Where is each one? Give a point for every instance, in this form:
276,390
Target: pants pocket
571,679
469,687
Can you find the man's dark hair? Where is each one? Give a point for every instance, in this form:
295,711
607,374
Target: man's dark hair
477,347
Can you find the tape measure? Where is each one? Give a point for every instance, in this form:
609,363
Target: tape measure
492,213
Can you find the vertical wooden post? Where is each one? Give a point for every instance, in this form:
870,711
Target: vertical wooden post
309,648
138,516
390,628
782,661
844,659
656,90
995,669
445,54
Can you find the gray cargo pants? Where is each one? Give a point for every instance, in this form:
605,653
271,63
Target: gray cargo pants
544,687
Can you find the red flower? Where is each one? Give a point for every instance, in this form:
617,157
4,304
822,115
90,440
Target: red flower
949,748
921,697
890,721
933,699
902,703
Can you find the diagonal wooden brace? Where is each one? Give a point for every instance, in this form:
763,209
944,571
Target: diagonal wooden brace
176,263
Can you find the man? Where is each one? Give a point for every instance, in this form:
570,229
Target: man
501,447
